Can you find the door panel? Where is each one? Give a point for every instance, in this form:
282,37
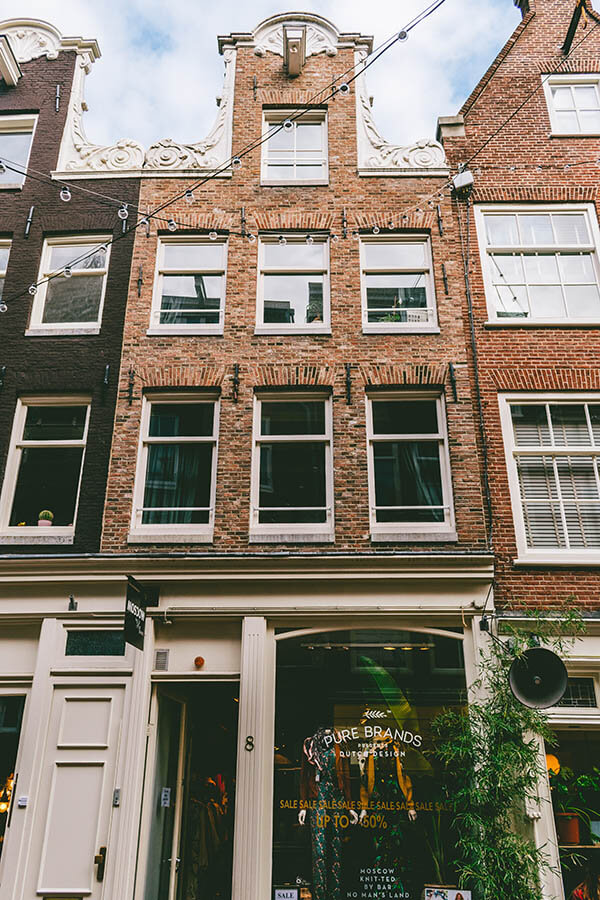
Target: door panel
74,804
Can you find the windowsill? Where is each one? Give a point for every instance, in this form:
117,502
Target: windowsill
182,331
390,328
542,323
574,134
291,537
140,536
31,536
378,537
278,330
565,561
34,331
11,187
320,182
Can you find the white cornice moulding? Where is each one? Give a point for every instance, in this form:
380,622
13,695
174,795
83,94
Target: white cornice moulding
376,156
32,38
10,69
321,36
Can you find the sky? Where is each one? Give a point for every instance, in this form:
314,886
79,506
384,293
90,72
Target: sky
160,70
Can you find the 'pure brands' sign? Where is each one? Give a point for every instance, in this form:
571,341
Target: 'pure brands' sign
135,613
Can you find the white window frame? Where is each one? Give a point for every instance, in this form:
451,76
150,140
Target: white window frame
36,326
411,531
545,555
485,251
292,532
160,271
182,533
323,327
27,534
431,326
18,123
570,80
5,244
273,117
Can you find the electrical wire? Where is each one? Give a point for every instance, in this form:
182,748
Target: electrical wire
373,57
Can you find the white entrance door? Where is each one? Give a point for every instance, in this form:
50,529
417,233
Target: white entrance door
70,848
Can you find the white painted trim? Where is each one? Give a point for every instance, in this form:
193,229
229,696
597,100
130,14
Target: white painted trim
548,82
36,325
396,531
323,327
22,122
22,534
280,532
527,556
427,270
178,533
272,117
155,328
483,209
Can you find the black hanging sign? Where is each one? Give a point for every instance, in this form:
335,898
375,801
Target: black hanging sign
135,613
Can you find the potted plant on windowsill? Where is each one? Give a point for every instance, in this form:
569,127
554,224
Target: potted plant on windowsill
571,795
45,518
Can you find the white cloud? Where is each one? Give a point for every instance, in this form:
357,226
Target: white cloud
160,70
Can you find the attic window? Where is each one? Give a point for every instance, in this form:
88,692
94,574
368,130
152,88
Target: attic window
9,66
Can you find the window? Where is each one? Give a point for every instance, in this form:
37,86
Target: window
43,471
397,284
293,290
189,291
573,103
175,487
540,264
553,456
292,477
4,254
73,298
409,468
16,133
298,151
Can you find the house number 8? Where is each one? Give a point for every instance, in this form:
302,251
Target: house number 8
249,746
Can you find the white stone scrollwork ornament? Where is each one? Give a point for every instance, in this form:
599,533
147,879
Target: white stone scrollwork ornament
31,39
321,35
375,153
214,150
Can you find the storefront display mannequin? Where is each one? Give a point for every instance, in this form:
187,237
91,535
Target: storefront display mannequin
383,763
325,780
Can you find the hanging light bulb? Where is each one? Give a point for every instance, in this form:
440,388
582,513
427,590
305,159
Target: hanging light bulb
2,168
123,212
567,167
67,271
288,125
3,306
344,88
172,225
251,238
236,163
430,204
32,289
189,197
334,238
390,224
281,240
356,235
376,229
405,219
143,222
310,239
403,35
212,235
65,194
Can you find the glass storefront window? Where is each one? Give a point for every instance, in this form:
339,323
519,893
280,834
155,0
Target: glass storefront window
11,715
574,773
359,809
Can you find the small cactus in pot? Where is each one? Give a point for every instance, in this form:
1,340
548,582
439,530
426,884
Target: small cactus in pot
45,518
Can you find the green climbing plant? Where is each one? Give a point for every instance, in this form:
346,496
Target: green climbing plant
489,755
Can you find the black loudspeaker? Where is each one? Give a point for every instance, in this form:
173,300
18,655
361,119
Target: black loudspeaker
538,678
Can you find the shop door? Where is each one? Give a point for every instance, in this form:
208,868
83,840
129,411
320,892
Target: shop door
71,849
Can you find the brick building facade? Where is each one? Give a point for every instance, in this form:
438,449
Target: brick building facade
299,473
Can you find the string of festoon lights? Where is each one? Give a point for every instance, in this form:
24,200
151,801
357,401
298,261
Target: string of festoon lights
336,87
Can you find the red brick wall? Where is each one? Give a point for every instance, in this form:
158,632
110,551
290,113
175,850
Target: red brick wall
296,359
529,358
